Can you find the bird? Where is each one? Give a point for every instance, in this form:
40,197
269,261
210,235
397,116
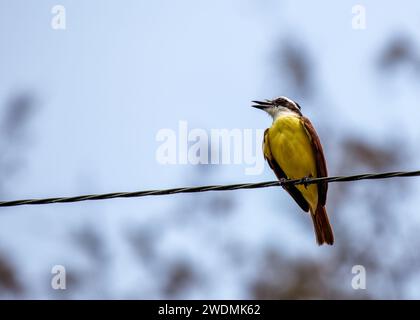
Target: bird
293,150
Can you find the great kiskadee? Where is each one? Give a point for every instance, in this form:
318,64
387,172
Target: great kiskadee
293,150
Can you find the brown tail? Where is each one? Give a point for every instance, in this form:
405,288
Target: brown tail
323,230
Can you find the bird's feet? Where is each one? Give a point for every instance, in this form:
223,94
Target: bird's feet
282,181
304,181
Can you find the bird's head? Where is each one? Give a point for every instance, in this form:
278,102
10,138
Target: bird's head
278,106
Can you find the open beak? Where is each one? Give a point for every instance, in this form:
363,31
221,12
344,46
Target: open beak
262,104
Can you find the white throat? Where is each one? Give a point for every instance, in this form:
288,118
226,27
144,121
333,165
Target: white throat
276,113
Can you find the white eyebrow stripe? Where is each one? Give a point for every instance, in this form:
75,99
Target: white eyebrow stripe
289,100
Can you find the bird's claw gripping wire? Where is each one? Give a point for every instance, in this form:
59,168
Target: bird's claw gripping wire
305,182
282,181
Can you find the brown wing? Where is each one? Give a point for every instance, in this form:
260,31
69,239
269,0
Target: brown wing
292,190
321,165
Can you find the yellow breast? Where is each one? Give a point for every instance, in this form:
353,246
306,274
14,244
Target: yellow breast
291,148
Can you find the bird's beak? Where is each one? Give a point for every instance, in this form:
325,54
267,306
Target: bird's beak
262,104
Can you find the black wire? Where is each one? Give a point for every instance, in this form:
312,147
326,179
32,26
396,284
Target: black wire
136,194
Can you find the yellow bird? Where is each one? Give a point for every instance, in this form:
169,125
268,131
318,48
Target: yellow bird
293,150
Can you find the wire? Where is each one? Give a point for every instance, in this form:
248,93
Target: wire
238,186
